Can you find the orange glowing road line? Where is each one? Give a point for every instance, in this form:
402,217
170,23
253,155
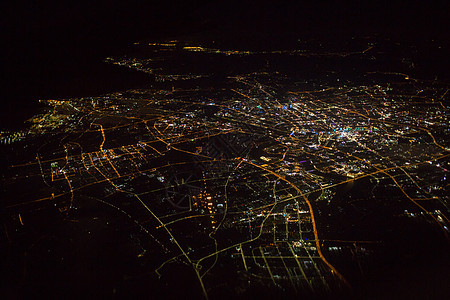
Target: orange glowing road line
110,162
82,160
20,219
168,145
442,97
245,242
147,142
167,126
316,237
242,94
100,181
197,271
396,183
415,202
71,190
90,158
322,188
221,221
310,92
181,163
368,49
422,199
85,166
154,149
139,152
112,165
394,123
99,159
103,135
434,140
106,178
130,153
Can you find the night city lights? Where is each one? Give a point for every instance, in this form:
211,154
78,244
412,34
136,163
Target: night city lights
242,165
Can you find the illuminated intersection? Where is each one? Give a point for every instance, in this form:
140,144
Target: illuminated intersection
256,181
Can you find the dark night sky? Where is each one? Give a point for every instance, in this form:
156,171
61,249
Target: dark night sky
49,44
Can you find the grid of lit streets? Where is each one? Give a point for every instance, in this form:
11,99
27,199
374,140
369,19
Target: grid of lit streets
233,179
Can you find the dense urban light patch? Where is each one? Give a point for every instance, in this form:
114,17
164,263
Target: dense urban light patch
257,174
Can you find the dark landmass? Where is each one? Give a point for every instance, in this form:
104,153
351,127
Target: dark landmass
229,149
